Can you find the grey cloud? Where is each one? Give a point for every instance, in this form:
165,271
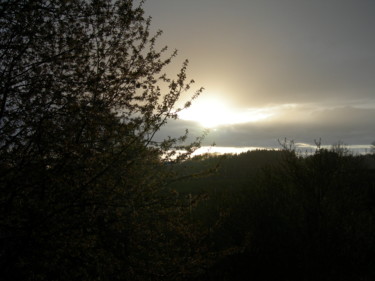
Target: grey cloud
262,52
353,126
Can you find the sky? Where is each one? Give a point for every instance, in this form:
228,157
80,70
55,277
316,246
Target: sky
274,69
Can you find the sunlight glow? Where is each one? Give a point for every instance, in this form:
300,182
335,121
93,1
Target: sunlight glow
211,113
218,150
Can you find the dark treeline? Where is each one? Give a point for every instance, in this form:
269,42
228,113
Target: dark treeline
289,217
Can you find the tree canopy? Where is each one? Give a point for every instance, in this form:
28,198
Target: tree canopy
82,182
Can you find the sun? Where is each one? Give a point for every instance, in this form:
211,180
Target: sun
213,112
209,113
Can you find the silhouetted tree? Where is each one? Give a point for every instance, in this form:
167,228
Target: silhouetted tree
82,183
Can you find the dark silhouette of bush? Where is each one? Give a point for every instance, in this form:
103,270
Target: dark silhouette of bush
83,189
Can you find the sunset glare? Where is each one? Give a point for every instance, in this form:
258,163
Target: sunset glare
214,112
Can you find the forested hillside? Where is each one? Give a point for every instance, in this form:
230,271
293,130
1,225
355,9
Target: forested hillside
288,217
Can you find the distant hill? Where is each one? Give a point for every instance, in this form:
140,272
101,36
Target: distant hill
290,217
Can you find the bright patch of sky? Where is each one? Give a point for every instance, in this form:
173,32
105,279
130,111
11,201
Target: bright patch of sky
275,68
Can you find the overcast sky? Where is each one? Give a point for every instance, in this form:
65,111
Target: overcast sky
311,63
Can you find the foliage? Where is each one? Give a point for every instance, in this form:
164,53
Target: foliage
296,217
83,188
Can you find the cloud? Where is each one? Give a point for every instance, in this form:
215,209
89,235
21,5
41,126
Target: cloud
305,123
316,55
262,52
